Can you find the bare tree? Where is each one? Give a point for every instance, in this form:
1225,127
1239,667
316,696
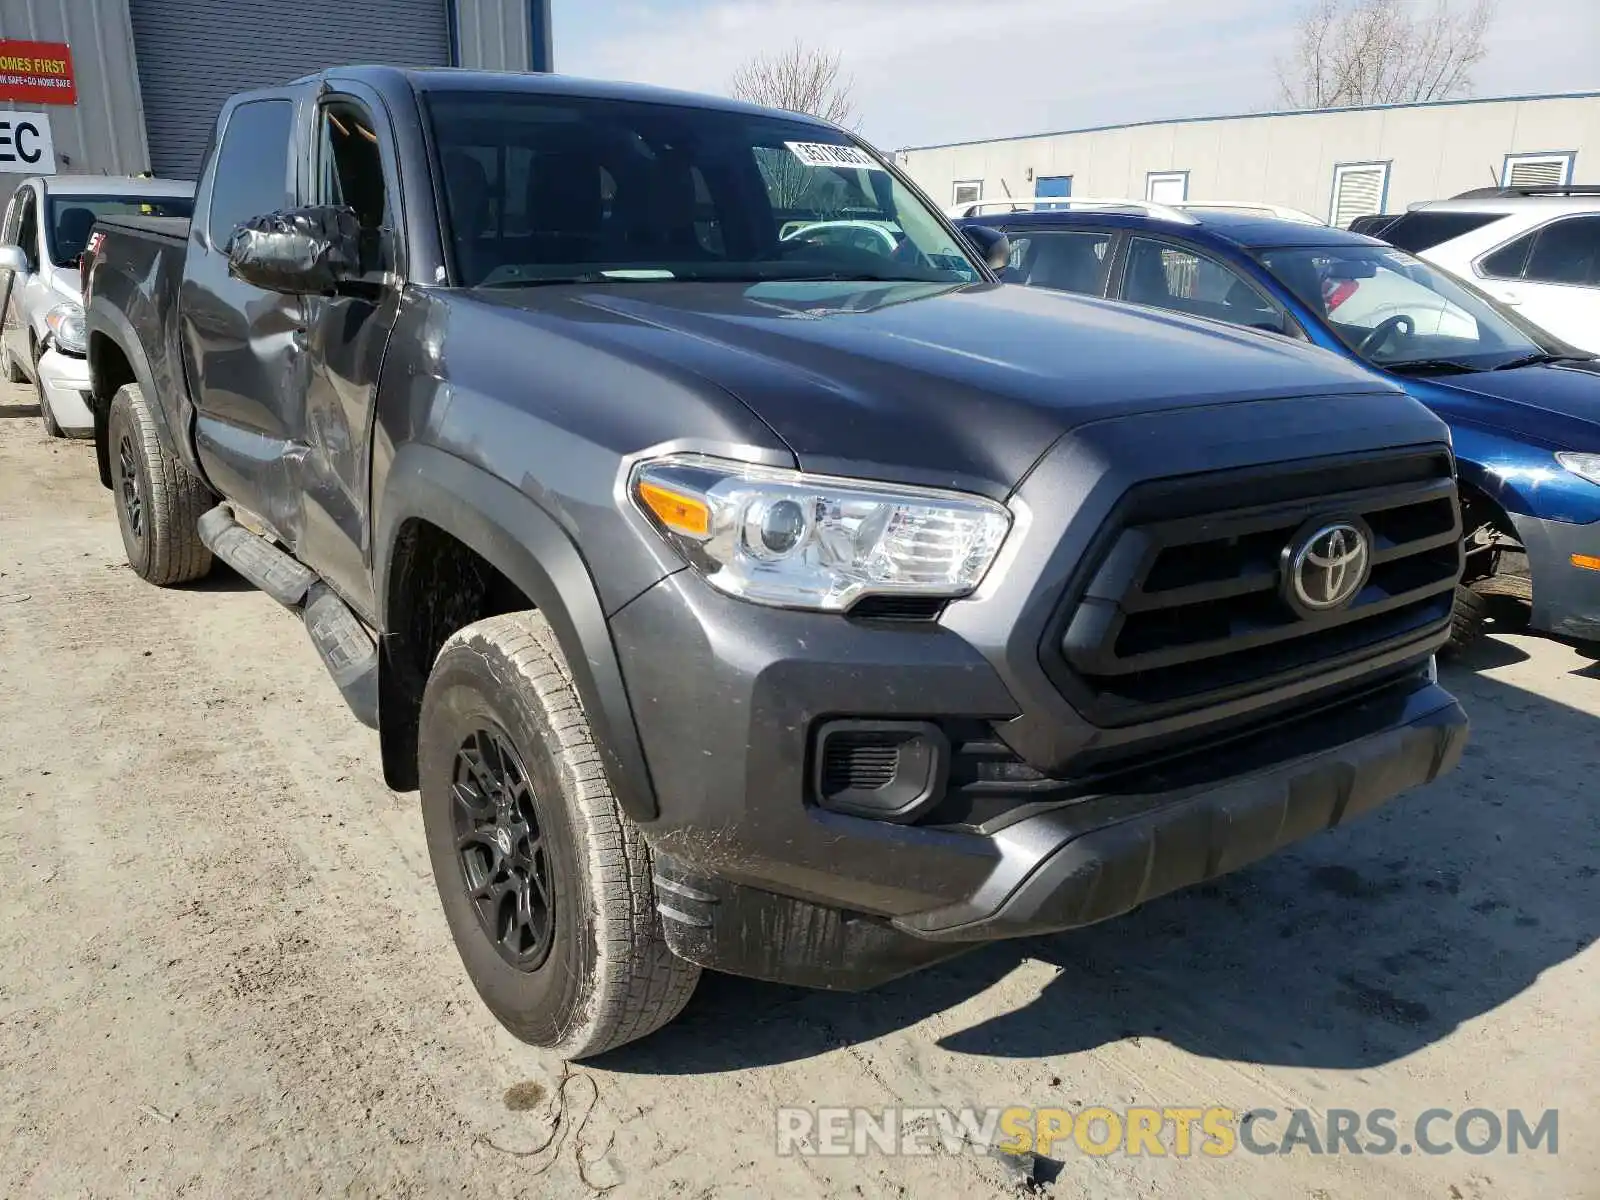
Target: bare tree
801,79
1383,52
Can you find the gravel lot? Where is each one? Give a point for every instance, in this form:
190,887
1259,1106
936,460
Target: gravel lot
223,968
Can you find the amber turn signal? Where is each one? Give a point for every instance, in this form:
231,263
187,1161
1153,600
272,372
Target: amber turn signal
679,513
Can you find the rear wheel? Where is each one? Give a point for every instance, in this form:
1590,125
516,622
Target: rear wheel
545,883
159,503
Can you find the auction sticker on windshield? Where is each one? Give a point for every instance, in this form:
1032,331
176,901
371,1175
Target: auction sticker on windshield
824,154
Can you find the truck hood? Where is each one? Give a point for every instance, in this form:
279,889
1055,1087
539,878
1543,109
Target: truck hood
1555,404
963,386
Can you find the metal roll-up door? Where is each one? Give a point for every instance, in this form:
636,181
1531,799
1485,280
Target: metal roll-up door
194,55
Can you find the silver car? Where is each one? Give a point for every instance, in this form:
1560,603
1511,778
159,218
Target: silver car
47,226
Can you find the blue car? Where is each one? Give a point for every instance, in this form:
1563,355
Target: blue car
1523,407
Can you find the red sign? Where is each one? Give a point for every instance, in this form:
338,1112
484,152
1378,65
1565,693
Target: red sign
37,72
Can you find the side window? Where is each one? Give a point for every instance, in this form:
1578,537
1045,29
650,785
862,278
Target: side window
1168,277
1065,262
1566,252
250,178
28,229
1508,261
349,163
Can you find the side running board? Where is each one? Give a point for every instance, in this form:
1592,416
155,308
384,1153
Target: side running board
342,641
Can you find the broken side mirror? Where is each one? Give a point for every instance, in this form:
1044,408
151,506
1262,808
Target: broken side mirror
298,251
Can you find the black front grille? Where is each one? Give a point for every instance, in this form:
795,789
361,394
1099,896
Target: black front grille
1184,605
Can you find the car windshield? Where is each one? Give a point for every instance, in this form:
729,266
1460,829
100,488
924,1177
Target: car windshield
1396,311
73,217
541,189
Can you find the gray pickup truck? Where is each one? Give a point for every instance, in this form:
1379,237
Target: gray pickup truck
740,590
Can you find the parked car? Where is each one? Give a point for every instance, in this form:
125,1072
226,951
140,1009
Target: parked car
1523,406
46,228
805,611
1535,249
980,208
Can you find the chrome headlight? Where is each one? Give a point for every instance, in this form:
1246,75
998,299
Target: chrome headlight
65,322
792,540
1587,466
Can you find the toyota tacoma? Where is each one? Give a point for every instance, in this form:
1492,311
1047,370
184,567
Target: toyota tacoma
809,608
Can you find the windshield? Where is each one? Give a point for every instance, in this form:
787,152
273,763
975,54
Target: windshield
1394,310
543,188
73,217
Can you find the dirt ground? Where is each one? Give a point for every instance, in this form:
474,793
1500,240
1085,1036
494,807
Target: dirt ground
223,967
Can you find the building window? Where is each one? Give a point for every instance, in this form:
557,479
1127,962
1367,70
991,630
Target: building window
1052,187
1538,170
968,191
1359,190
1166,187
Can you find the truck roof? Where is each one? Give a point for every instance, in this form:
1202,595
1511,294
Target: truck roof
428,79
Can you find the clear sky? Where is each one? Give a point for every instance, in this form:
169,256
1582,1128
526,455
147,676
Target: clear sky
930,71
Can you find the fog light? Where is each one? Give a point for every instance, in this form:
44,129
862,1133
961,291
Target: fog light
885,770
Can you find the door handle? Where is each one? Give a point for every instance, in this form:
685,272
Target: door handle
1511,298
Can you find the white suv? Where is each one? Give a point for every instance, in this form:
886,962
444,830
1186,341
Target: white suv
1536,249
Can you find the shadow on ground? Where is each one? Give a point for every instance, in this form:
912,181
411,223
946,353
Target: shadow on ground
1351,950
19,410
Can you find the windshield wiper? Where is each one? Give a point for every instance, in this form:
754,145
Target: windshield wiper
1540,357
1426,366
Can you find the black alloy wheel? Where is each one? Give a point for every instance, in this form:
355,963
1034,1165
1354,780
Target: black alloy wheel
504,862
128,477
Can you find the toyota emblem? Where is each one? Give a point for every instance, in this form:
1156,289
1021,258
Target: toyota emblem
1327,565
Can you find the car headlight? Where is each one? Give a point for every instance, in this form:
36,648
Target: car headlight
792,540
65,322
1585,465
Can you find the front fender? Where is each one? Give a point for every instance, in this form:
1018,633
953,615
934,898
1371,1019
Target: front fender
1522,477
525,544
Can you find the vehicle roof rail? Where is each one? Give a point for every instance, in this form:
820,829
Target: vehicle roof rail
1542,189
1149,208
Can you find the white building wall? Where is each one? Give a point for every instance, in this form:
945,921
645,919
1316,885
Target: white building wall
1434,150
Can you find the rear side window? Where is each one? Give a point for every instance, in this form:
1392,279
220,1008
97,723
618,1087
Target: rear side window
250,178
1419,231
1507,262
1066,262
1566,252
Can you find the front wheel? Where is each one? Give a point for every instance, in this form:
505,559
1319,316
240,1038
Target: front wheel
51,429
545,883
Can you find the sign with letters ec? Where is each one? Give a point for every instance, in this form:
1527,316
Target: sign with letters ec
26,146
37,72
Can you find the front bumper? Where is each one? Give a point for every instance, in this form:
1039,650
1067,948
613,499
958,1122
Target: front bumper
1566,598
755,879
65,383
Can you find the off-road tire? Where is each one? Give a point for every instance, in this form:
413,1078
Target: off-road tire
1467,620
161,536
608,976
